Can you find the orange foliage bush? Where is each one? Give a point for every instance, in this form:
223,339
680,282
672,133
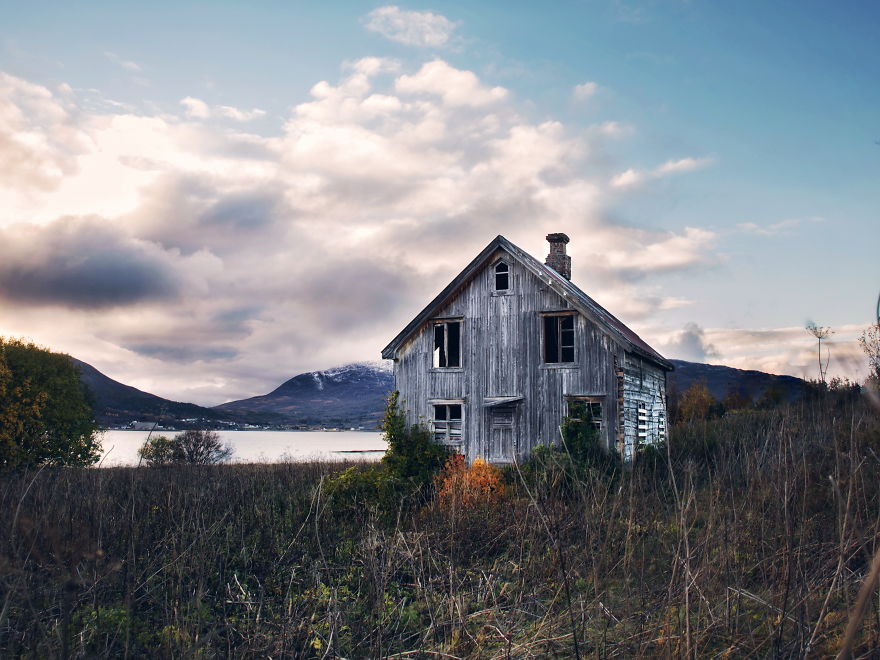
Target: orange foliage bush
460,485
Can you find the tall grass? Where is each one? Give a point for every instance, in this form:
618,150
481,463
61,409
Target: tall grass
748,535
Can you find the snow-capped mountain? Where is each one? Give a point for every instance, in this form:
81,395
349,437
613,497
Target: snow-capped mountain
348,395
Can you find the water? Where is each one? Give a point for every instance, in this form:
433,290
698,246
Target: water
120,447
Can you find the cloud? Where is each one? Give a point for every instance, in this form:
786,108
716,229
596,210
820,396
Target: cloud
613,129
198,109
240,115
690,344
413,28
83,263
39,138
259,257
195,108
125,64
682,165
454,86
633,177
776,228
787,350
585,90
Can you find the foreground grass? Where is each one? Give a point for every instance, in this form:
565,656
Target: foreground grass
750,536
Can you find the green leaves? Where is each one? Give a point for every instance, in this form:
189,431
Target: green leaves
45,416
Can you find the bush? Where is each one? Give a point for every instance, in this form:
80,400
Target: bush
192,447
45,415
461,486
407,469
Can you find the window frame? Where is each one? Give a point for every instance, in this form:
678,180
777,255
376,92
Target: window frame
443,430
496,274
435,355
591,400
559,317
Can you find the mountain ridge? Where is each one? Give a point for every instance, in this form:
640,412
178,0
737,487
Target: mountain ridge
353,396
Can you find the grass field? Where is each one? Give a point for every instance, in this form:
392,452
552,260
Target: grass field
748,536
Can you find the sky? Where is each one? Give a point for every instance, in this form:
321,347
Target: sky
204,199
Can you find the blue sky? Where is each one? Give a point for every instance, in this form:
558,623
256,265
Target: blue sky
716,165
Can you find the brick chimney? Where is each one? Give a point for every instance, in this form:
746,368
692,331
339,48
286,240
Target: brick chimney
557,259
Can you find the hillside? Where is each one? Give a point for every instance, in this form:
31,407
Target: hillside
720,380
351,395
116,404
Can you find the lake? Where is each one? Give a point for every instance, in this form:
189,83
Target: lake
120,447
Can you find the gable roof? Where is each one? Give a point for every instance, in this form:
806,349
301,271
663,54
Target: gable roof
565,288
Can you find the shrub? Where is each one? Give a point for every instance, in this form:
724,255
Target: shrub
460,485
407,469
192,447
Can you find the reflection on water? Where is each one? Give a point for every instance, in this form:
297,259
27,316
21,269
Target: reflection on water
120,447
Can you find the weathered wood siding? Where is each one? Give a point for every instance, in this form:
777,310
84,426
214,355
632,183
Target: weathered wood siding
502,356
644,404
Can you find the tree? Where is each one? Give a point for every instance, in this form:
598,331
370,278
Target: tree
192,447
45,414
696,402
735,399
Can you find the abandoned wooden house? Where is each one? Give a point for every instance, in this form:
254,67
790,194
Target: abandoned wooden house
495,361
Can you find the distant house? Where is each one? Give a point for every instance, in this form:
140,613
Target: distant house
494,362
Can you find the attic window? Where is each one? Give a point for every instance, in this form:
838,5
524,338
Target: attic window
558,338
447,344
447,424
502,276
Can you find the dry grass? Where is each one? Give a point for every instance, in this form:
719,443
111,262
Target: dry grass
749,537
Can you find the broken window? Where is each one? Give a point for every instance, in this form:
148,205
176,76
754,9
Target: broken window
502,276
586,409
559,338
447,424
447,344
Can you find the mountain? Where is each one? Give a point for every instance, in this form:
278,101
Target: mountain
116,404
351,395
354,396
720,380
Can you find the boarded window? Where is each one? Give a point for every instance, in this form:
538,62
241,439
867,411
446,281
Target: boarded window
502,276
447,344
448,424
559,339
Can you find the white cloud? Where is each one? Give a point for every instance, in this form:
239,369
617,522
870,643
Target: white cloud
787,350
613,129
413,28
585,90
627,179
198,109
308,248
776,228
633,177
240,115
682,165
125,64
455,86
195,108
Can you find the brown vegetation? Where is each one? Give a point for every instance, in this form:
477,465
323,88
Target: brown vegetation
749,535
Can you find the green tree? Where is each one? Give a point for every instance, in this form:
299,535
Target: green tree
192,447
45,414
